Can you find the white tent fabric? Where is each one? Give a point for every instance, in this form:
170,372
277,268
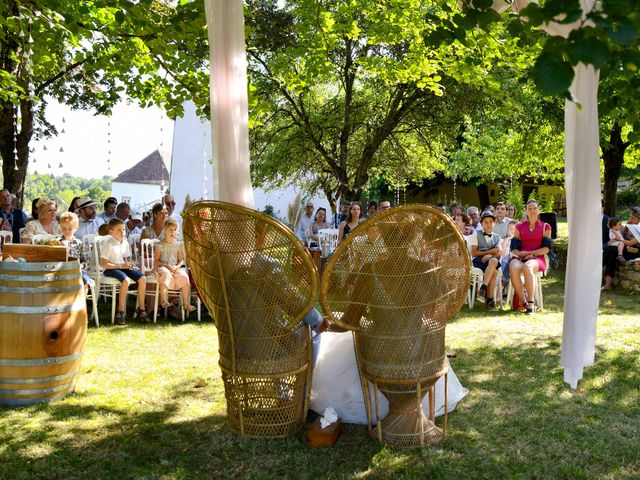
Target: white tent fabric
229,102
582,172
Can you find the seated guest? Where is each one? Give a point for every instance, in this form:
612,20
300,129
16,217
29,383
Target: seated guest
170,203
511,211
73,206
372,208
13,219
454,209
461,221
615,236
502,221
384,206
159,215
505,252
34,210
135,225
46,223
340,216
305,220
116,261
109,212
68,226
351,222
474,216
319,222
441,206
89,224
103,229
531,241
631,240
485,254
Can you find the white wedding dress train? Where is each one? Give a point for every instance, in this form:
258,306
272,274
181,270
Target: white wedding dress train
336,383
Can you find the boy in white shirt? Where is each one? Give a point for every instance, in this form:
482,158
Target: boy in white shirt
485,252
116,260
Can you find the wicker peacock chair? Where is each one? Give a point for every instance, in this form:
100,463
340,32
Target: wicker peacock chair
258,282
395,281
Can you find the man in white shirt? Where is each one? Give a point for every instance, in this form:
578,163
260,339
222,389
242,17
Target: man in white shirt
502,221
307,218
88,223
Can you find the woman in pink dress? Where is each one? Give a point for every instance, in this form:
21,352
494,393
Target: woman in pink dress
528,255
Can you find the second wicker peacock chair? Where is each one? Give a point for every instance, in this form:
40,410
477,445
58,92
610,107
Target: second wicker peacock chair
395,281
258,282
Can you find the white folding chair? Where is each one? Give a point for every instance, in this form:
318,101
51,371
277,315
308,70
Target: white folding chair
134,243
147,250
105,286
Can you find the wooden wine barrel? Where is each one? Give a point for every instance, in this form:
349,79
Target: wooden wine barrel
43,325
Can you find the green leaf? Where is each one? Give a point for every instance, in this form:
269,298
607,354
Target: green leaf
590,51
622,32
552,74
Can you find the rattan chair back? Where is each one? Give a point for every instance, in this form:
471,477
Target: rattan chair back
258,282
395,281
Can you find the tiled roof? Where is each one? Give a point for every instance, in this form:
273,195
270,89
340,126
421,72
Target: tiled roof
150,170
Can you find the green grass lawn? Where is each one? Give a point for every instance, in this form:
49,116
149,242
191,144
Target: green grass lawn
150,404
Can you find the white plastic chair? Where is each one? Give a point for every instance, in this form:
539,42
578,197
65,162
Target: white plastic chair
134,243
147,249
105,286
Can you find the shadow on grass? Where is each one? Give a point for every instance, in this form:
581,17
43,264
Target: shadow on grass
519,421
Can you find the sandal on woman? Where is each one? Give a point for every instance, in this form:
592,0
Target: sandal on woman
531,307
165,304
190,308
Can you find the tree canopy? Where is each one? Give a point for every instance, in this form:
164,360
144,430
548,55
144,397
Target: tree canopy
89,54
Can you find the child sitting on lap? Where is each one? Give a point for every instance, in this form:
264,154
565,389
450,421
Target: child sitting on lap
615,236
168,262
116,260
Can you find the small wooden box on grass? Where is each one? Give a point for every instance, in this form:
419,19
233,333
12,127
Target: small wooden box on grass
320,437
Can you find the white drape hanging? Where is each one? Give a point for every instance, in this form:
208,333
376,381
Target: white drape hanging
229,102
582,172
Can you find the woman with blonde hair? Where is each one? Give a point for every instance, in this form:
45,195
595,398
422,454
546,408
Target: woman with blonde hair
45,224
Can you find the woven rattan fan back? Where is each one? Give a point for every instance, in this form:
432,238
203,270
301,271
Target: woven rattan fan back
395,281
258,282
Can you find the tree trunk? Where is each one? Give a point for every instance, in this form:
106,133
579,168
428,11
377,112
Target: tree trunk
483,196
613,156
15,173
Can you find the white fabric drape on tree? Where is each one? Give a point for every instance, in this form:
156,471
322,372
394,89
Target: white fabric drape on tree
229,102
582,173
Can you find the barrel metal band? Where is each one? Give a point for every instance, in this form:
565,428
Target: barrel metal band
45,277
70,288
40,266
33,381
78,305
39,362
20,402
36,391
